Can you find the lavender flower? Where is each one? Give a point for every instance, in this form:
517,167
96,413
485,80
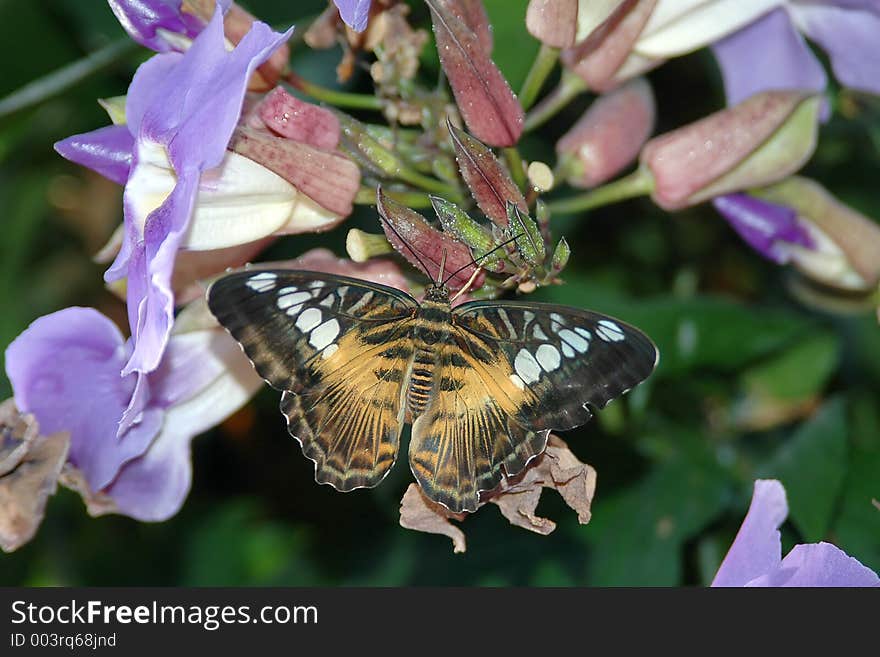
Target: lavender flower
755,558
65,370
766,227
159,24
354,12
771,53
181,111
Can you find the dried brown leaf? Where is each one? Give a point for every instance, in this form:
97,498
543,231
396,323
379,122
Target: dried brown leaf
25,488
97,503
487,104
421,514
517,499
488,181
17,432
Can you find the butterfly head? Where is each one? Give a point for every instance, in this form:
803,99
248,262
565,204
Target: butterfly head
437,292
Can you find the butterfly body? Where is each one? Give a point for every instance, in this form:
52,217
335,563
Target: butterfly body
482,384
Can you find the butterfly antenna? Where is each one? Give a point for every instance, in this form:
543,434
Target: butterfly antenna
482,257
400,237
442,268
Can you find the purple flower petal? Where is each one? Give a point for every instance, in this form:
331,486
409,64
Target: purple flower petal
107,151
185,107
354,12
65,370
762,224
757,548
849,36
818,564
143,19
154,486
766,55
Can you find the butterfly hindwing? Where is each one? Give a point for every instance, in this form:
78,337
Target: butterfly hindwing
469,435
339,349
562,359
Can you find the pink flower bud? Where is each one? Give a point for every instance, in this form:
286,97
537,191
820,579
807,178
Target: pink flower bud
425,246
846,251
761,140
562,23
329,179
609,136
295,119
487,104
601,59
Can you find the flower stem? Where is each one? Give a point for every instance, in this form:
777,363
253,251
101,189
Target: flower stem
638,183
515,164
543,65
569,88
331,96
42,89
427,183
367,196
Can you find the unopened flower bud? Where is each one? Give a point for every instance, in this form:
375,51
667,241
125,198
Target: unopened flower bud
609,136
529,240
489,183
424,246
560,256
362,246
606,58
846,244
293,118
563,23
540,176
461,226
761,140
365,149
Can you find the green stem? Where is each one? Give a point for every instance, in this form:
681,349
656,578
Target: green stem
543,65
569,88
331,96
367,196
515,164
427,183
638,183
42,89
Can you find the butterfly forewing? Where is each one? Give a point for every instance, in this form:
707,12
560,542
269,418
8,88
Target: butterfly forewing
340,351
561,359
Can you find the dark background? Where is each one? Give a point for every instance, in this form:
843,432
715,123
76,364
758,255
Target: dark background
754,381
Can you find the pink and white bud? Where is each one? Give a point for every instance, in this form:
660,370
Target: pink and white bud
846,243
609,136
607,57
563,23
758,142
292,118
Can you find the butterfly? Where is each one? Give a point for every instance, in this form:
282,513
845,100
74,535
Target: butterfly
482,383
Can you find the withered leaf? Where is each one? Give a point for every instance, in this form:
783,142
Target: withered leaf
25,489
17,432
488,181
410,234
421,514
97,503
489,107
516,498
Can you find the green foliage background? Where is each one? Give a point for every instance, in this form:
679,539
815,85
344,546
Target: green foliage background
676,459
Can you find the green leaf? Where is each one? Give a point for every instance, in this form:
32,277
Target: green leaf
637,535
812,466
799,371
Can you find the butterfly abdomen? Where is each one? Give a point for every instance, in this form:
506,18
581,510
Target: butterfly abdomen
431,330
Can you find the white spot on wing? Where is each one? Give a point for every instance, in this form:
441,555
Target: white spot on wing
609,331
327,301
518,382
360,303
262,282
308,319
567,351
573,340
538,333
285,301
526,366
559,319
329,351
325,334
288,289
548,357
